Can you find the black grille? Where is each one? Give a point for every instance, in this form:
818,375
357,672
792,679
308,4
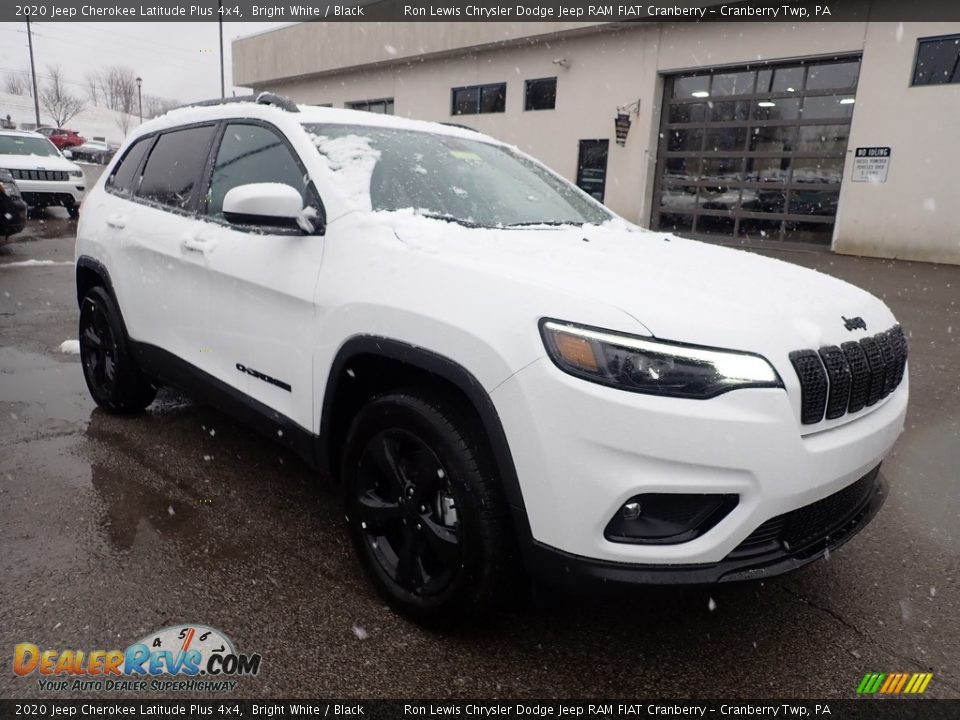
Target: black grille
801,532
836,381
50,175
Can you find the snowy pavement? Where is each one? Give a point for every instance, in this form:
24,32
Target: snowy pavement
114,527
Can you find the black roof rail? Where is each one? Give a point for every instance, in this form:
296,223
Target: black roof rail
458,125
264,98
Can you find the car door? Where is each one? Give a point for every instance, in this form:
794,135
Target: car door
261,279
163,275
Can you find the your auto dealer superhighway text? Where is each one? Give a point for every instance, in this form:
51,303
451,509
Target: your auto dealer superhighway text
538,711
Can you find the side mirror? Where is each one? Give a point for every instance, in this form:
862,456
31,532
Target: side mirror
68,154
267,205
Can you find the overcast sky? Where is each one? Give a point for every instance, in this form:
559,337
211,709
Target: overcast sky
176,60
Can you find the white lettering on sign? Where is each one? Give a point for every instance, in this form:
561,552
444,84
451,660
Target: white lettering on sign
870,164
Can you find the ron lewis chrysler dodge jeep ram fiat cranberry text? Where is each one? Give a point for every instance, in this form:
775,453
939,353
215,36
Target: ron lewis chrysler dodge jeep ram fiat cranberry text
502,373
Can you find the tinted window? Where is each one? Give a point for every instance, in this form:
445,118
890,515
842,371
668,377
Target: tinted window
541,94
592,167
938,61
251,154
383,106
123,178
175,166
479,99
837,75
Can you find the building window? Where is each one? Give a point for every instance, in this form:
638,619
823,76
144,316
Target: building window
592,167
540,94
384,106
755,154
476,99
938,61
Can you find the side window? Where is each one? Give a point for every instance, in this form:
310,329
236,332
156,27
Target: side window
251,154
122,180
175,166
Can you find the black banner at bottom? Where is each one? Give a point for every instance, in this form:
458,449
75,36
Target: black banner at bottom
865,709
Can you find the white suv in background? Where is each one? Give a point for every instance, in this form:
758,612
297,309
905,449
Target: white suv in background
45,177
501,372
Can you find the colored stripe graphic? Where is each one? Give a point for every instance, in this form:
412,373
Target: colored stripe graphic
894,683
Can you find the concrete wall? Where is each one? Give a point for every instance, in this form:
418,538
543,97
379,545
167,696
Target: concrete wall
915,214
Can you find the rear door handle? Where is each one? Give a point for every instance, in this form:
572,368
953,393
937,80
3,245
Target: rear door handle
191,245
117,221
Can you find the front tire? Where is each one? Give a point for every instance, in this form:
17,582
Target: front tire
424,509
113,379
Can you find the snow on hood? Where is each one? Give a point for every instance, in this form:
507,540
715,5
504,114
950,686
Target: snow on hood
679,289
37,162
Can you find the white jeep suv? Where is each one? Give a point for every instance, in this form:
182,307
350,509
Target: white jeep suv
502,373
45,177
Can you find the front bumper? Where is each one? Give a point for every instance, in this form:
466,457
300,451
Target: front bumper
766,552
47,193
581,450
13,216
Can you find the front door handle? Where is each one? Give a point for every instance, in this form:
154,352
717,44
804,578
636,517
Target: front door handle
192,245
117,221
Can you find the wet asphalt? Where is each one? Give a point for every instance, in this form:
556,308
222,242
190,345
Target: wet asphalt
114,527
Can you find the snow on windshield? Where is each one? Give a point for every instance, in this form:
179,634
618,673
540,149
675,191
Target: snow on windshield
352,161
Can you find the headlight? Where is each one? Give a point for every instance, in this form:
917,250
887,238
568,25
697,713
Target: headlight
651,366
10,189
76,173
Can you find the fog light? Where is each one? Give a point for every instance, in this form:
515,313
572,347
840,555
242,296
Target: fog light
667,518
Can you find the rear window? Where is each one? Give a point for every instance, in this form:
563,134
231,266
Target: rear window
123,178
175,167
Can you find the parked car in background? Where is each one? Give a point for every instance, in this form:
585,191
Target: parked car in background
44,176
13,210
94,151
61,137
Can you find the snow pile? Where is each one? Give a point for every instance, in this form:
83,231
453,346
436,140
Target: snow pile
70,347
351,160
91,122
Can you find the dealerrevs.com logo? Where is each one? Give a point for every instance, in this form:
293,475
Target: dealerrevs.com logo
190,657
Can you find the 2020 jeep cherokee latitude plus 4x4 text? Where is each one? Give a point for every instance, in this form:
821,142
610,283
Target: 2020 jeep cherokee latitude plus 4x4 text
501,372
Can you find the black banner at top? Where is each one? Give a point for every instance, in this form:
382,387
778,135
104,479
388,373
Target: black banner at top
792,11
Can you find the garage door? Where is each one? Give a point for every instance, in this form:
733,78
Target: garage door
756,153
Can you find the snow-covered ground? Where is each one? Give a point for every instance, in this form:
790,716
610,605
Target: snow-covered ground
91,122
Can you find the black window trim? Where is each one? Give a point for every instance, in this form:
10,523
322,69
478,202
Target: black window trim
479,88
310,190
526,90
916,59
197,208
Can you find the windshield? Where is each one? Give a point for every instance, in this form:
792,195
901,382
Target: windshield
23,145
467,181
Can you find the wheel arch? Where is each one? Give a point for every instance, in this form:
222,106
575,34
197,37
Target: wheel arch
90,273
381,364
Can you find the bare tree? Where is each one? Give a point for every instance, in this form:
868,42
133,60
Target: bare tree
56,100
17,83
154,106
93,87
118,88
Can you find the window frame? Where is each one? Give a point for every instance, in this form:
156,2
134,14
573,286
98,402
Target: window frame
479,88
192,207
351,105
916,59
149,139
526,94
311,194
198,208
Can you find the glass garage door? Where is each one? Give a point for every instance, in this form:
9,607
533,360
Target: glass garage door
755,154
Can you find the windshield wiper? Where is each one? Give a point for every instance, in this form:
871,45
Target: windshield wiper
450,218
551,223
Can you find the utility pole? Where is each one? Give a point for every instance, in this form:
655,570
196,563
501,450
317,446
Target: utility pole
223,91
33,74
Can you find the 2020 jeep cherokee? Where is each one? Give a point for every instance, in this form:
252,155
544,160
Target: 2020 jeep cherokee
500,371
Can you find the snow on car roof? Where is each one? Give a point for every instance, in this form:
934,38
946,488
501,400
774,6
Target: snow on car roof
308,114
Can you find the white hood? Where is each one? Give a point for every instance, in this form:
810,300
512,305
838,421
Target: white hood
37,162
680,290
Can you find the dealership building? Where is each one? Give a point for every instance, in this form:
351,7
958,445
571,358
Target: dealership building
842,135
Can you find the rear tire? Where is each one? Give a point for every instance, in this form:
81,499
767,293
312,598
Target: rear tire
113,379
425,511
